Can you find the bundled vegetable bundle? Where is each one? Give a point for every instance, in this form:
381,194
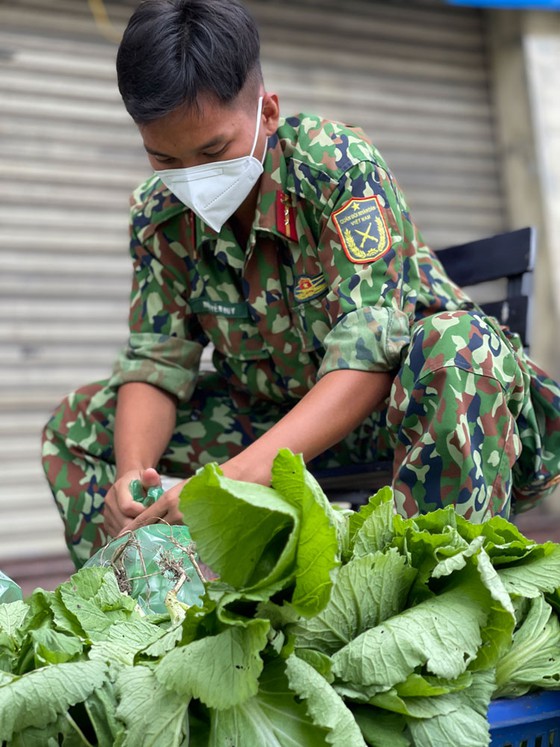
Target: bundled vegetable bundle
9,590
151,563
325,627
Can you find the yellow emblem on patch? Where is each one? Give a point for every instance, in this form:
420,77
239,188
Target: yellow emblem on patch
309,287
362,229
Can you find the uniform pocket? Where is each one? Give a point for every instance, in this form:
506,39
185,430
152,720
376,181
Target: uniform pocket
312,322
233,335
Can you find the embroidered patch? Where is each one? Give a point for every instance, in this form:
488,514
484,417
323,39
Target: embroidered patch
362,230
219,308
309,287
285,216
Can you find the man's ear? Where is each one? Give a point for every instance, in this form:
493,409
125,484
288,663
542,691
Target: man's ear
271,113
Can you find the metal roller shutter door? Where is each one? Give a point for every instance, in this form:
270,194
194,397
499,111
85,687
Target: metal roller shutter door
413,75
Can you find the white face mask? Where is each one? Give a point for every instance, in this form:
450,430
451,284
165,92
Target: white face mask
215,190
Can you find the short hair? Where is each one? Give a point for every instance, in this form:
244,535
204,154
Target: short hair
172,51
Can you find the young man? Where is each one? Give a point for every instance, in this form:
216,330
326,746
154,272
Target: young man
287,244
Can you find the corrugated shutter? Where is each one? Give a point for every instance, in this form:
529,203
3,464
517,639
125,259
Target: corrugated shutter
413,75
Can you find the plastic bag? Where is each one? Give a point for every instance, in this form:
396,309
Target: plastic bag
9,590
146,498
152,561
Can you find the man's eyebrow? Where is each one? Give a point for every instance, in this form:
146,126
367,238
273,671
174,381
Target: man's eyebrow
218,140
156,152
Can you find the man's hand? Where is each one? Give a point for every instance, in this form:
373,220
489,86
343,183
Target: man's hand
120,507
165,508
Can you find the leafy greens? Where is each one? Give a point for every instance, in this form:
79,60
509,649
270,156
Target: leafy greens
324,627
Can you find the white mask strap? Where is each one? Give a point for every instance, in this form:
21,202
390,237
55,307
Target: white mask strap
258,126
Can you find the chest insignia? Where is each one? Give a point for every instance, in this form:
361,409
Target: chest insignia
362,230
285,217
309,287
219,308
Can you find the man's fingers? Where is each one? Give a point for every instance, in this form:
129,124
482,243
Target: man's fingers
132,510
150,478
148,516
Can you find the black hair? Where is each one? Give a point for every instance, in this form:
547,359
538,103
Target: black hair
172,51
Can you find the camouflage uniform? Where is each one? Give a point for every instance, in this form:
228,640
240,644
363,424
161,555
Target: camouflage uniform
335,276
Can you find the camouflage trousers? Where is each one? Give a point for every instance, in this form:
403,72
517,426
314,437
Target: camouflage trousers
470,421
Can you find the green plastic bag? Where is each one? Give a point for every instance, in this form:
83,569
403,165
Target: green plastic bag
9,590
149,497
154,560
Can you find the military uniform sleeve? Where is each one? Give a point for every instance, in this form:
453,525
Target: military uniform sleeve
165,342
368,247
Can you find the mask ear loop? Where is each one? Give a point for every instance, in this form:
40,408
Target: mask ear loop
257,130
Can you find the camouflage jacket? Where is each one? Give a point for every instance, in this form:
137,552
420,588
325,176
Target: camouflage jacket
334,275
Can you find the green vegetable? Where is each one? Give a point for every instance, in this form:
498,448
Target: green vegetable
9,590
534,657
325,627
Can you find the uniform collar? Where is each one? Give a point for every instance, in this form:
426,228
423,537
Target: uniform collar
275,212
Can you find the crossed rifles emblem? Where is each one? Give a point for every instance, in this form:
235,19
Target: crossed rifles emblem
366,235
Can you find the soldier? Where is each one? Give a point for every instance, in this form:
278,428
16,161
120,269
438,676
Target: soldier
288,245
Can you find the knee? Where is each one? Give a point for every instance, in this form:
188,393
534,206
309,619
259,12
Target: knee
92,403
463,340
53,425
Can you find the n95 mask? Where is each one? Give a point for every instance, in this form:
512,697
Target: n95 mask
215,190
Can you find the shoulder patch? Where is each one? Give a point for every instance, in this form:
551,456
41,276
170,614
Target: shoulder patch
362,229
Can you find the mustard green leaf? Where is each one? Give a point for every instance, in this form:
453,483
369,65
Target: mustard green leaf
367,591
101,707
45,737
504,542
417,685
39,697
533,660
320,528
428,541
441,633
122,642
6,677
458,560
246,533
220,670
272,717
325,707
462,726
381,728
534,575
12,618
465,725
372,530
167,642
93,598
415,706
52,647
319,661
152,714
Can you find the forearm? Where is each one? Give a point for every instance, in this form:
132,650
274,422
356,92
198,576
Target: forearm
144,422
336,405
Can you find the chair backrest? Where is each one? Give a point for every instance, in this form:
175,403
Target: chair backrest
508,255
